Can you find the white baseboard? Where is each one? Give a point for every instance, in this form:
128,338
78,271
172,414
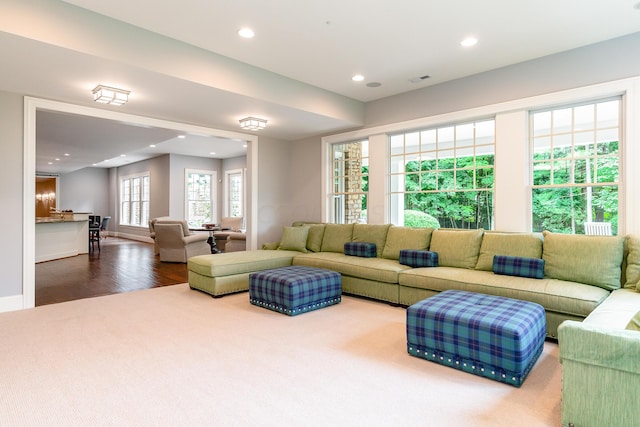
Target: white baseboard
145,239
12,303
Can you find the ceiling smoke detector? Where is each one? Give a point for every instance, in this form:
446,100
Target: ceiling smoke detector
419,79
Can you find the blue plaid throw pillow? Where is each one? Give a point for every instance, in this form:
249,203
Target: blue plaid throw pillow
518,266
418,258
365,250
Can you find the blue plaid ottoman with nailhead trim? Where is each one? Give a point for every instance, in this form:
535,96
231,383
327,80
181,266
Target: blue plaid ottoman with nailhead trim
295,290
494,337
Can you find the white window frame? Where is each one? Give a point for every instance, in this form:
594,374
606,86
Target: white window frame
571,137
212,196
228,193
144,203
512,208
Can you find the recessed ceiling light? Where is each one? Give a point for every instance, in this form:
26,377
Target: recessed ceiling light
123,155
247,33
212,153
57,159
181,136
67,154
357,78
374,84
152,145
49,163
469,41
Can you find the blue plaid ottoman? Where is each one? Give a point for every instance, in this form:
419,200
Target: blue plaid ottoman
494,337
295,290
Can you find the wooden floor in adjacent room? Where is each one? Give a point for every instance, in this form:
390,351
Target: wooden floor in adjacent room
120,266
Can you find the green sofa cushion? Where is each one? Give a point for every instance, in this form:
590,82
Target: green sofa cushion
594,260
314,240
335,236
294,239
371,233
230,263
633,262
456,248
520,245
399,238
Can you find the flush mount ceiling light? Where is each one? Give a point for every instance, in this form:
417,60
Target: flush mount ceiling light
357,78
110,95
253,123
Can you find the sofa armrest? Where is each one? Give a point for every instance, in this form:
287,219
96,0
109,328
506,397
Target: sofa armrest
196,237
598,346
600,379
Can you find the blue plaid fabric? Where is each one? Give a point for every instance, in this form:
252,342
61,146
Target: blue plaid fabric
295,290
366,250
518,266
494,337
418,258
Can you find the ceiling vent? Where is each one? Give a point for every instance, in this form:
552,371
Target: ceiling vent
419,79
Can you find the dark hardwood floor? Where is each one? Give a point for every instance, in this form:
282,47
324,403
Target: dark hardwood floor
120,266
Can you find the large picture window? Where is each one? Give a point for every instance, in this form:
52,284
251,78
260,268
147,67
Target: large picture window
134,200
575,156
350,182
444,176
200,197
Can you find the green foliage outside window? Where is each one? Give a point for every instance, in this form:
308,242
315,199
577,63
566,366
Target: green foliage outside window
457,192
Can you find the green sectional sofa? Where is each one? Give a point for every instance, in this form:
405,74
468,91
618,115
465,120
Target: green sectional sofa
580,272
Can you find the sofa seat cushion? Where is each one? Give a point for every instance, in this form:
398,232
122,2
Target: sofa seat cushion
231,263
616,311
377,269
555,295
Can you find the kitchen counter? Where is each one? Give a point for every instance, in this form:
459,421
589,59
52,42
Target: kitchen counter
62,237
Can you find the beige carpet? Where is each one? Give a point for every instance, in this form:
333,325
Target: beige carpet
175,357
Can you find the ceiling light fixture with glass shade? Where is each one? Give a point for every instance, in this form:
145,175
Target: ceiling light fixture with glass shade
110,95
253,123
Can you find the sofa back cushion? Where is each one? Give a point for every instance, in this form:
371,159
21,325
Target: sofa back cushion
294,239
314,239
457,248
593,260
405,238
524,245
335,236
632,279
371,233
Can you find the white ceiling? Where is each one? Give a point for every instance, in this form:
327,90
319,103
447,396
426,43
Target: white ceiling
312,48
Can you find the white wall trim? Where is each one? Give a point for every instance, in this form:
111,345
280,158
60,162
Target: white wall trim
31,105
12,303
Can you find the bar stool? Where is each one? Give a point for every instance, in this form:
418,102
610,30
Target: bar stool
94,232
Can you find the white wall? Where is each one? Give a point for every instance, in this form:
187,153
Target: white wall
85,190
11,190
276,205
